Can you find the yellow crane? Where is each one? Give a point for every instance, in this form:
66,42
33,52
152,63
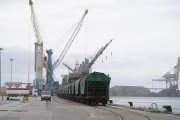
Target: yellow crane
38,50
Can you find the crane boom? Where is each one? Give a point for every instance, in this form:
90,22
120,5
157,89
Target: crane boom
34,23
73,36
99,53
68,67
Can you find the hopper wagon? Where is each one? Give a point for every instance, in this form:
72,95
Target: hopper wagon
91,89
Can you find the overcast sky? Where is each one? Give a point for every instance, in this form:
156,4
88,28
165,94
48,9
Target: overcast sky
145,33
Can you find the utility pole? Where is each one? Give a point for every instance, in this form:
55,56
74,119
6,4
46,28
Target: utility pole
0,74
11,67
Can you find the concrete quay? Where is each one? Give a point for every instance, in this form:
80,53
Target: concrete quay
61,109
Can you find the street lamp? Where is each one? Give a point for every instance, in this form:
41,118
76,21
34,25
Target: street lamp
0,72
11,67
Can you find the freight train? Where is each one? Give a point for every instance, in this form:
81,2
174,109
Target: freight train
92,89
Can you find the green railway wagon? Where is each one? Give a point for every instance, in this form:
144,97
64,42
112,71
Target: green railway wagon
94,88
73,88
77,87
91,89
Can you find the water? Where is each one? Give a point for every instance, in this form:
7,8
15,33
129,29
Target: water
147,101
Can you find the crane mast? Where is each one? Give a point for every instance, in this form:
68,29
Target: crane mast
38,50
50,79
177,71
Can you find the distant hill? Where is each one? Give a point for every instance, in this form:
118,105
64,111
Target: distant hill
129,91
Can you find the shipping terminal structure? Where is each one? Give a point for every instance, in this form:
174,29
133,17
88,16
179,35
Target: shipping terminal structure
80,70
91,88
171,79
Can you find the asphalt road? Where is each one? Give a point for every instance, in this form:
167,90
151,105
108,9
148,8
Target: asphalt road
61,109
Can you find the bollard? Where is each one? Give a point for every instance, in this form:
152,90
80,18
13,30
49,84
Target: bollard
131,104
168,108
111,101
25,98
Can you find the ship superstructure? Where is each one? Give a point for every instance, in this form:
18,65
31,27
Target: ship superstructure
82,69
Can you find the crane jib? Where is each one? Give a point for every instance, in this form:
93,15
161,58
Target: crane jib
72,38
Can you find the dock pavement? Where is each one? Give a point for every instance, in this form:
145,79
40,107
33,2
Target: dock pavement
61,109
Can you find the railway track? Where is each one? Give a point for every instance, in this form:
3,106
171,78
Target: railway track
116,115
114,110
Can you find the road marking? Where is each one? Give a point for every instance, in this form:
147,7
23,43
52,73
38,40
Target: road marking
91,115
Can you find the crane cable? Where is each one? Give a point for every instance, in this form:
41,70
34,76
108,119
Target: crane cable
61,41
63,38
73,36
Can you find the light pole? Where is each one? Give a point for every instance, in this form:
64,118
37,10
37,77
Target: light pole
11,67
0,72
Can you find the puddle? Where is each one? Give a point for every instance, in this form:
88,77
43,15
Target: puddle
3,110
9,118
20,111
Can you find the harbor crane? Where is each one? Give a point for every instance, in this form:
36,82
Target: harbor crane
98,54
39,59
171,79
38,50
52,67
86,65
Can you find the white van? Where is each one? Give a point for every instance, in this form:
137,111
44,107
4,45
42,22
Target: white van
34,92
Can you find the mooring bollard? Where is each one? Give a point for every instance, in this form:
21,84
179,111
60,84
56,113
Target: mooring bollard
111,101
168,108
131,104
7,97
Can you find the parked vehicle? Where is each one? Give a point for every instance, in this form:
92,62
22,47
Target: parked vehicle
45,95
34,92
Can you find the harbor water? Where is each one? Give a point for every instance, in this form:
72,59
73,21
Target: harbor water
147,101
